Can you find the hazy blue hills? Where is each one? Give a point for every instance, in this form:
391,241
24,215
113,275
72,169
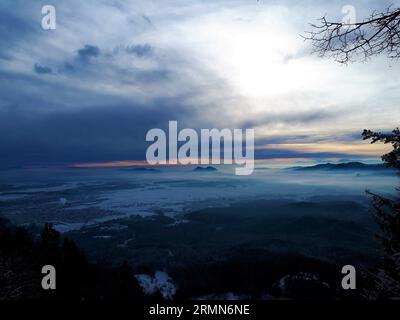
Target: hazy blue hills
205,169
342,166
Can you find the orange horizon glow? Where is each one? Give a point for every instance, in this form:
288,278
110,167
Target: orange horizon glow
111,164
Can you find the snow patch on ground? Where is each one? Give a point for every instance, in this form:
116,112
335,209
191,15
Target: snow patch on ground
102,237
161,282
67,227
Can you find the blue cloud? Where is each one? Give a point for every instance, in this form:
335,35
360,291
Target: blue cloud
104,133
88,52
140,50
41,69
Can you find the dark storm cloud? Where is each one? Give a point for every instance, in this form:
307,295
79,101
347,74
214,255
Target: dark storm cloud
88,52
42,69
140,50
106,133
82,59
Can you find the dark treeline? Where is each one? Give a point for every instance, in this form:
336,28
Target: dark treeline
22,258
251,273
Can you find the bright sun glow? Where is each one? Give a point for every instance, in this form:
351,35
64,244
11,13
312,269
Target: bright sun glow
259,68
260,59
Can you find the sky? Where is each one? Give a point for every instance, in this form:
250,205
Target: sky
89,90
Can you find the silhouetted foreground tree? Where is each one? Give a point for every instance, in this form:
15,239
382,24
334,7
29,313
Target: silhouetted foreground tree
391,159
22,257
387,215
380,33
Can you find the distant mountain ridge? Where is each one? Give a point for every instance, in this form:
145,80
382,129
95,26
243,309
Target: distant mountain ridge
343,166
205,169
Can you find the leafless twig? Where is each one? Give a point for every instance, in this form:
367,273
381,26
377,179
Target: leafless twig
380,33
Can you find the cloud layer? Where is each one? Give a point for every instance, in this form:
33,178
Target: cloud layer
113,69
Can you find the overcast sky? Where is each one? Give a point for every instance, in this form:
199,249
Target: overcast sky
91,89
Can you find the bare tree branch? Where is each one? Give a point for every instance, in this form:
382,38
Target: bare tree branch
380,33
